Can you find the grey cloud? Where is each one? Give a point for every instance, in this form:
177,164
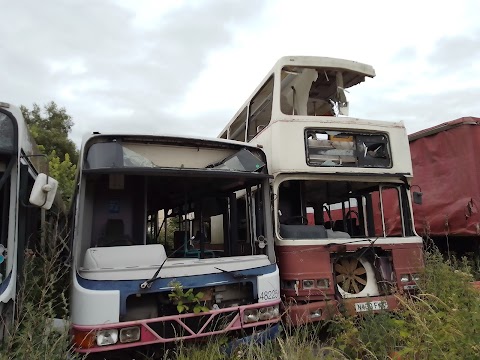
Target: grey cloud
423,111
146,70
413,98
454,53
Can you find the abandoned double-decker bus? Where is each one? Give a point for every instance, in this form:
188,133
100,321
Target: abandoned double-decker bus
337,243
172,241
25,192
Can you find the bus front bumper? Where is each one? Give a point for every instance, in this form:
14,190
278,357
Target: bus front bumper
184,327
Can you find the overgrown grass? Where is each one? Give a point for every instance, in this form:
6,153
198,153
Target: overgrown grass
42,295
442,321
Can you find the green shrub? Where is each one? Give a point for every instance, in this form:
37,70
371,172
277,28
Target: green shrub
441,322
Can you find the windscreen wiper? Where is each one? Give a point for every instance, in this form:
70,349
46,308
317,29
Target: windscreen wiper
236,274
147,284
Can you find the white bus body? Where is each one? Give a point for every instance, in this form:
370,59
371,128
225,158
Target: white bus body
216,195
21,181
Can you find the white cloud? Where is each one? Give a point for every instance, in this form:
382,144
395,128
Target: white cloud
187,66
398,39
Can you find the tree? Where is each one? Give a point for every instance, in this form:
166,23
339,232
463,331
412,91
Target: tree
50,129
64,173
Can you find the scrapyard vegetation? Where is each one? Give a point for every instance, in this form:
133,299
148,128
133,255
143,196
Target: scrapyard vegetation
441,322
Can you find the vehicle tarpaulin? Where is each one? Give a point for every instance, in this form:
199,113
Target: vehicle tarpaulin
446,167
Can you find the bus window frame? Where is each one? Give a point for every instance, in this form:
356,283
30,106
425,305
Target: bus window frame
260,108
354,133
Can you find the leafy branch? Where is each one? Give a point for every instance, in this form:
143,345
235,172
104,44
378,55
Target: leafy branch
185,300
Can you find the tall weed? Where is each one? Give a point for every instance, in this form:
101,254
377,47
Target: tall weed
441,322
41,297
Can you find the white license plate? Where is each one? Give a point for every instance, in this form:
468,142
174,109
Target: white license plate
371,305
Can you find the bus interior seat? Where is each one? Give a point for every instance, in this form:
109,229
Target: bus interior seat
338,225
331,234
303,231
114,234
352,227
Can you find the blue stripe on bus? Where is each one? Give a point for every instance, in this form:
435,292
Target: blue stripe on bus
131,287
4,284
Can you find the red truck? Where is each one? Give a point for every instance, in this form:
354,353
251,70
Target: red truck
446,170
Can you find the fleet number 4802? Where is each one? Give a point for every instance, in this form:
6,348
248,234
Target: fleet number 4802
268,295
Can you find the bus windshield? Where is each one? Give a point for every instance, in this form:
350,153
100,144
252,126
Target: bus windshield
196,202
343,209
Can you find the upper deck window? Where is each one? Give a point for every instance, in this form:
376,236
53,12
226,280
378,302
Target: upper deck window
260,112
310,91
347,149
6,134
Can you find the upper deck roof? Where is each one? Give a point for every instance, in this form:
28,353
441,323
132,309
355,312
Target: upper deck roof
349,66
309,80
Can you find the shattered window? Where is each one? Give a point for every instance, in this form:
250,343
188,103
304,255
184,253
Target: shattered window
347,149
243,160
114,154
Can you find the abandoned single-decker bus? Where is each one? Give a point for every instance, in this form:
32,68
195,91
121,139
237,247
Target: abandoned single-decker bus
172,241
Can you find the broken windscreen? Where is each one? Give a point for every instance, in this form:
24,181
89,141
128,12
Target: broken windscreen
115,154
347,149
243,160
119,154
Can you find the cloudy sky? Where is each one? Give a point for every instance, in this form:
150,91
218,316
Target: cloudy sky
173,66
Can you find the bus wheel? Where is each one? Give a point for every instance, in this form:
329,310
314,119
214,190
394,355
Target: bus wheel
6,322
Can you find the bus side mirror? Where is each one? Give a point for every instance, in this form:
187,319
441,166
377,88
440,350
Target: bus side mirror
417,197
43,191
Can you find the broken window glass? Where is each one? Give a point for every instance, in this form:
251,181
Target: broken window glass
339,148
243,160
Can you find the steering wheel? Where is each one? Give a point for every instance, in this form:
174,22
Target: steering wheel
292,219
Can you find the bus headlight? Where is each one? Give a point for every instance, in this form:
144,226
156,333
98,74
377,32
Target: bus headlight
276,311
269,312
130,334
404,278
323,283
315,314
266,313
308,284
415,277
107,337
250,315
